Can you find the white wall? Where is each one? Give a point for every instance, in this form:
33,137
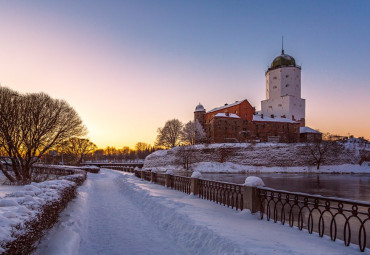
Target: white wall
283,93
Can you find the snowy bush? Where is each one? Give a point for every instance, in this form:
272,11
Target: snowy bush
25,215
91,169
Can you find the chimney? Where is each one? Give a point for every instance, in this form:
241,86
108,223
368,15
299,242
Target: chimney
226,104
272,115
262,116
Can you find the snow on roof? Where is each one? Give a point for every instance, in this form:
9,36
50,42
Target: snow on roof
226,106
304,130
275,119
231,115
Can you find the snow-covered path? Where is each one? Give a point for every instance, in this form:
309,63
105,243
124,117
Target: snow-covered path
115,224
117,213
112,223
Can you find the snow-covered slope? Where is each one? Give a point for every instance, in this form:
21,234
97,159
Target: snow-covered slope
247,157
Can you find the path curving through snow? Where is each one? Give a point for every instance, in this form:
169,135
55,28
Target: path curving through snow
110,223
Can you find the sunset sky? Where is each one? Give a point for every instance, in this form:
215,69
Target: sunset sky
128,66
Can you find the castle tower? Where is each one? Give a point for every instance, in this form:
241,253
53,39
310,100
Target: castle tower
283,90
199,114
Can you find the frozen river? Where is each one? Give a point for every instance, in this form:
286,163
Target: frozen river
352,186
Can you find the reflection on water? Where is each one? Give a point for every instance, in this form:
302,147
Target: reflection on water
351,186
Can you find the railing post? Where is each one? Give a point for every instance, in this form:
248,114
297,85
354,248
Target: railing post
194,186
167,180
251,199
153,175
142,174
194,182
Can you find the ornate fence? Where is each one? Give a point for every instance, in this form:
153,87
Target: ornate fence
180,183
338,218
160,179
227,194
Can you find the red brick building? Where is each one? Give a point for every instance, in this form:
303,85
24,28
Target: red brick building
238,122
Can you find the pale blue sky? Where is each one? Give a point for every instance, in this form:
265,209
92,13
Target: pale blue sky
149,61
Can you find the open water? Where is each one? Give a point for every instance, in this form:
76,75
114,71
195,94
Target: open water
351,186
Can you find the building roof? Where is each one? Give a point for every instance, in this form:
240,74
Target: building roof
283,60
231,115
307,130
227,106
199,108
275,119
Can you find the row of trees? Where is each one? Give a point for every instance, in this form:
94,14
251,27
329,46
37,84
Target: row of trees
31,125
78,150
175,133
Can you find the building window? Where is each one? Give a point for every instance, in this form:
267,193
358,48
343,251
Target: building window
274,87
270,106
280,105
287,85
275,78
286,76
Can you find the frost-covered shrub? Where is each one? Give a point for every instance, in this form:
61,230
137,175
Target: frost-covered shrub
25,215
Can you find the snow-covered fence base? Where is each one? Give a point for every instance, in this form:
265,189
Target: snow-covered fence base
25,215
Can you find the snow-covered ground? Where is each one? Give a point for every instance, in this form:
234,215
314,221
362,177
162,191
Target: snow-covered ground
229,167
260,158
117,213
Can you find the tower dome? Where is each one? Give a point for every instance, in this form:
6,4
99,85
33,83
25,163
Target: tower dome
282,60
199,108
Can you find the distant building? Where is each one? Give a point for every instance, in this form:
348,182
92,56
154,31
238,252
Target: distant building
281,116
309,135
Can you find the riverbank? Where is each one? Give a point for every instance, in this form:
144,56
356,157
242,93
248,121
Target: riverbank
229,167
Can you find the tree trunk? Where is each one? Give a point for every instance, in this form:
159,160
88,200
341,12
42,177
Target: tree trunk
7,175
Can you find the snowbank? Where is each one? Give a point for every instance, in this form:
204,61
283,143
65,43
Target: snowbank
228,167
26,213
263,157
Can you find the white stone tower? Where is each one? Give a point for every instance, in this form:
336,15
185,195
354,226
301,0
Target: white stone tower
283,90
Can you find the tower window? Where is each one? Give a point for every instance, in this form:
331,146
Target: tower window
280,105
286,76
275,78
270,106
274,87
287,85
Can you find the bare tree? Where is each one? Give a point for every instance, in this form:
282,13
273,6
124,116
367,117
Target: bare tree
186,156
77,148
31,125
193,133
320,149
170,135
224,153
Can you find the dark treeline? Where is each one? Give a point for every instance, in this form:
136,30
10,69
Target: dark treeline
109,154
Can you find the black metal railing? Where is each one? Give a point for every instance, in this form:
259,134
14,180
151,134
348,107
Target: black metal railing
227,194
180,183
343,219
